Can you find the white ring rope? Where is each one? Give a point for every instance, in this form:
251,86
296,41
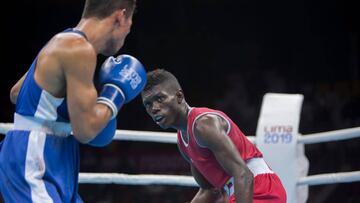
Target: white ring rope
335,135
4,127
163,137
126,179
145,136
130,135
330,178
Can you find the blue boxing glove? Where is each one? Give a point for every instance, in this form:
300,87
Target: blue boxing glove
106,135
122,79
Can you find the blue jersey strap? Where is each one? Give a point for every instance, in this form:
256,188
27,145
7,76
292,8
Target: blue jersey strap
76,31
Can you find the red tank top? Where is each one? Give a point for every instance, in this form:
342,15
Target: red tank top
203,159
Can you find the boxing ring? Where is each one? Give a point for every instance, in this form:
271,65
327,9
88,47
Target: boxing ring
188,181
170,138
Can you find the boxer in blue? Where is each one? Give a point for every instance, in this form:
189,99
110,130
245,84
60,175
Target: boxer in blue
58,106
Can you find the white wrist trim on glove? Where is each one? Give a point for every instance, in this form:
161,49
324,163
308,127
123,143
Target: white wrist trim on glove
110,103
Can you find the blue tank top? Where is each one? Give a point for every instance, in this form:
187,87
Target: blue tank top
37,102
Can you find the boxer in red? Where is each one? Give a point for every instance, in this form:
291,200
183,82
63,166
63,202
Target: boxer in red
222,159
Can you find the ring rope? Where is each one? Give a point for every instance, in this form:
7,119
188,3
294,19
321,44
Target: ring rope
330,178
126,179
335,135
145,136
180,180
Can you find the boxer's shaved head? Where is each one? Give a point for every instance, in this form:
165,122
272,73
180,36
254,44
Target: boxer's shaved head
162,77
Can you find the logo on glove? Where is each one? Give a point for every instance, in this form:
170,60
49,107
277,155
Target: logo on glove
132,76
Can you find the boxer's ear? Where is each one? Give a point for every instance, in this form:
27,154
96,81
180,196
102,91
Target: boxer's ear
180,96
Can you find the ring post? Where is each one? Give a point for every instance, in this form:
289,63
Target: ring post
276,137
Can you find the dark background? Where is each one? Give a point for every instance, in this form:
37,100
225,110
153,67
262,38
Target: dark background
227,54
